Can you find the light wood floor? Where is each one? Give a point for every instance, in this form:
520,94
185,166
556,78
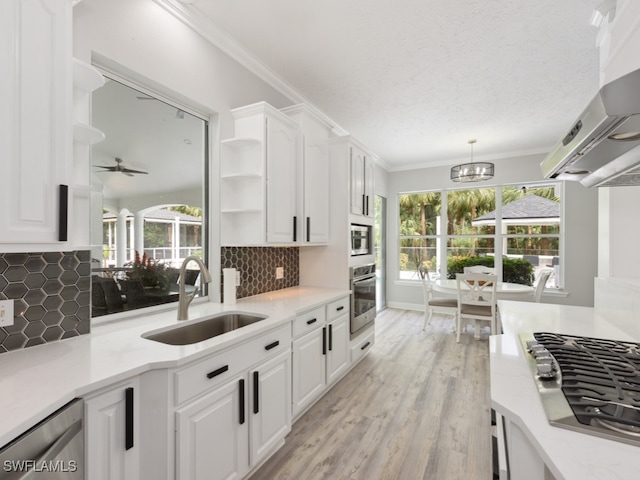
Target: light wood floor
416,407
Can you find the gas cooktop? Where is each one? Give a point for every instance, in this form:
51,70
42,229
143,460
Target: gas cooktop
589,385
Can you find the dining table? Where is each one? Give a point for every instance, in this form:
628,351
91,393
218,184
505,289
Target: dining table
504,290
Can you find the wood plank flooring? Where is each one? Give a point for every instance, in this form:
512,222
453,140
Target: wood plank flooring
416,407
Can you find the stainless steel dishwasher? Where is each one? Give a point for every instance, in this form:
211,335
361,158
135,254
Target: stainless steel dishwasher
51,450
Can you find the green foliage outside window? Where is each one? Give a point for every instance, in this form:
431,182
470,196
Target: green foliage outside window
514,270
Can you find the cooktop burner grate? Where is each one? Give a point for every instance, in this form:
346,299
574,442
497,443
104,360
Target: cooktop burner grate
599,379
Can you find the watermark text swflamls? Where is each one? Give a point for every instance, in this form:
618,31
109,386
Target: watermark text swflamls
60,466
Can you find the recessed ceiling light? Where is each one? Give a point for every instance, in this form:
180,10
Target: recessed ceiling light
187,141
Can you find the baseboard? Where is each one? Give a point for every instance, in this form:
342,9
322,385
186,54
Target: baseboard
406,306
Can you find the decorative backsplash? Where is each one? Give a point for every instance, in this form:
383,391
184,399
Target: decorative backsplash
257,267
51,293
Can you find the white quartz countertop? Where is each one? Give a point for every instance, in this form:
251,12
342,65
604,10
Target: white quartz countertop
567,454
36,381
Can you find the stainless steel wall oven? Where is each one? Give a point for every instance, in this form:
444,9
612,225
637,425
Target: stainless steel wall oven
363,297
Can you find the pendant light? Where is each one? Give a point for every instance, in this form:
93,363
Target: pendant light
472,172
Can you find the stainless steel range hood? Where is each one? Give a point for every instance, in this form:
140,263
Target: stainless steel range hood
602,147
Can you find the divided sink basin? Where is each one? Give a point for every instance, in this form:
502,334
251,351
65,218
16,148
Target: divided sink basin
200,330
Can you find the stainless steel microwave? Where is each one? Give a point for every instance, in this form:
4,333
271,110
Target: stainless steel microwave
360,239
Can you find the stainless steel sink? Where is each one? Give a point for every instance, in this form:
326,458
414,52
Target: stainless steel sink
204,329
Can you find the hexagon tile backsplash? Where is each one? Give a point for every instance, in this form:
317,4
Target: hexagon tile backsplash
257,267
51,293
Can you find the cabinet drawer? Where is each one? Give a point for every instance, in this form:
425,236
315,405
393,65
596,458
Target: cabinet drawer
360,348
338,308
309,321
219,367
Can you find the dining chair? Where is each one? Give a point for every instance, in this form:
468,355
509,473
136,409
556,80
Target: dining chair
447,306
476,300
480,269
542,281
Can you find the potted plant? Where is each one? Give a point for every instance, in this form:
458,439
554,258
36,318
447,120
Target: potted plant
149,272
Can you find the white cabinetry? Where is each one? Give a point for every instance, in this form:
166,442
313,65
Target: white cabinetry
112,448
320,352
86,79
35,121
362,188
313,174
233,408
258,175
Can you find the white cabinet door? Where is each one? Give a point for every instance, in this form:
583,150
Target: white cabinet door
338,356
316,191
369,191
282,224
112,437
35,119
212,435
357,181
270,406
309,369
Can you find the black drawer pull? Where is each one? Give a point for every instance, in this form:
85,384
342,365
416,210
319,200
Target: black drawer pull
217,372
365,345
340,308
330,337
128,418
313,320
272,345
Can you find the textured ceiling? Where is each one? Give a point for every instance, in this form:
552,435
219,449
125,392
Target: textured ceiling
415,79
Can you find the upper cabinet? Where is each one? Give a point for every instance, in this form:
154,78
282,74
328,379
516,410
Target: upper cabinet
35,123
362,190
45,134
313,174
258,179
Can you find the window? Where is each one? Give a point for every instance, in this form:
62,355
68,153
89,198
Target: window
514,228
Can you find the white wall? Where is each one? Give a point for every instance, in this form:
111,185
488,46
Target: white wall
618,231
581,230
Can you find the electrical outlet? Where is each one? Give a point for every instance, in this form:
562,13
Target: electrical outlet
6,313
279,273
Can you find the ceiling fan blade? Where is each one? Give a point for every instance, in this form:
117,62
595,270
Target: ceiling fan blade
110,169
128,170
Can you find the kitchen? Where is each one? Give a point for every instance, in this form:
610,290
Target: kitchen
135,41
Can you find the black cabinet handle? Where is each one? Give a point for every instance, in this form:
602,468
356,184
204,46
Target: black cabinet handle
324,340
313,320
241,400
256,395
272,345
364,204
308,229
367,204
63,213
365,345
330,337
295,229
340,308
128,418
217,372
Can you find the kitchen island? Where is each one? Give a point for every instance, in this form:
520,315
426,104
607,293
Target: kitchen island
536,449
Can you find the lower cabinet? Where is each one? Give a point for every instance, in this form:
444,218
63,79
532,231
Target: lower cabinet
212,434
112,447
243,417
320,353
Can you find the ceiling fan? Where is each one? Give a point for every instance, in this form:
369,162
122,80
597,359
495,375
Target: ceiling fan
118,167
